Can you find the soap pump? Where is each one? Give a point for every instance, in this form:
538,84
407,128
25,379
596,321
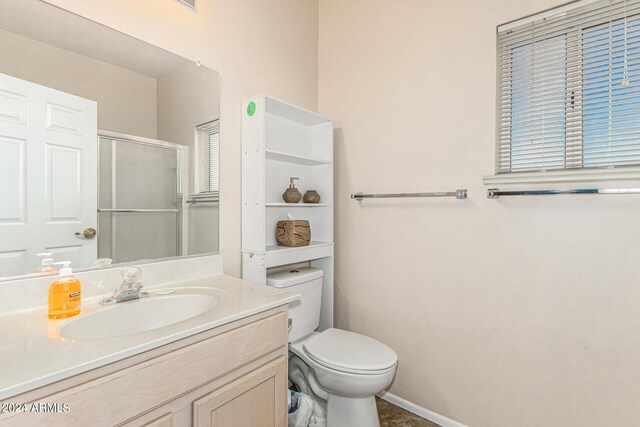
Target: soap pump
64,293
291,194
46,266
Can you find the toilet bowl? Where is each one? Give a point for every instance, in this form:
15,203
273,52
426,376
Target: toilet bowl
341,370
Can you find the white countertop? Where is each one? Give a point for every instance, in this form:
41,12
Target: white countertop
33,355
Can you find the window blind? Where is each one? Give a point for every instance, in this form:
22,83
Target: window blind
209,157
569,88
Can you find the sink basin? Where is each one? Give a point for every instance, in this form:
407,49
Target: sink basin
137,316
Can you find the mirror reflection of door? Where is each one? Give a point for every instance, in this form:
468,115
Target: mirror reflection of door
47,176
66,81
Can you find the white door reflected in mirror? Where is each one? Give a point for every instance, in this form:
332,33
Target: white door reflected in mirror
48,173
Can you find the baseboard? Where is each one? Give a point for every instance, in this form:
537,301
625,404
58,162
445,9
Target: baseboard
419,410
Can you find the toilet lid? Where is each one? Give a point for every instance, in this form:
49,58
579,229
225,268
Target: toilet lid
350,352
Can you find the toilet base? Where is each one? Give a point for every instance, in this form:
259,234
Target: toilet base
352,412
341,411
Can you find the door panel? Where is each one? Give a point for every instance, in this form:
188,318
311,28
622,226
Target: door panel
13,107
64,190
68,253
13,263
48,173
64,119
13,172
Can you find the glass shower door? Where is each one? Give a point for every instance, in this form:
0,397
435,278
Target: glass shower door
139,200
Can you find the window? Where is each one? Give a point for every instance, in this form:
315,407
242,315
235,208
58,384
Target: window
569,89
208,136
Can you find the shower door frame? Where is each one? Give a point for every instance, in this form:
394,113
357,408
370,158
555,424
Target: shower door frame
182,180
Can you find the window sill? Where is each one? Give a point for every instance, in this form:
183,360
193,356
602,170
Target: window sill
631,173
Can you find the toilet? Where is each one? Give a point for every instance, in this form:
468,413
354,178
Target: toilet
341,370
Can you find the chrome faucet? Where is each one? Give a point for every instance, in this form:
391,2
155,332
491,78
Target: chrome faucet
129,289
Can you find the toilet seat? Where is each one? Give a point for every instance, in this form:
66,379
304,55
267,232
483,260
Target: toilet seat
350,352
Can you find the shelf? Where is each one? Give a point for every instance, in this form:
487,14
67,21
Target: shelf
297,205
293,112
313,244
281,255
280,141
280,156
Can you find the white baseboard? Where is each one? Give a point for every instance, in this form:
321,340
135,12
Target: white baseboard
419,410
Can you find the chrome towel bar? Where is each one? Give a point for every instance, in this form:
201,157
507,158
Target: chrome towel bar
196,201
458,194
495,193
137,210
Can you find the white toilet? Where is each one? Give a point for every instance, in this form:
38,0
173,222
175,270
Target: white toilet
342,370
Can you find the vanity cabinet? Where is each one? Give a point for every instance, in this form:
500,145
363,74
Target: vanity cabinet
234,375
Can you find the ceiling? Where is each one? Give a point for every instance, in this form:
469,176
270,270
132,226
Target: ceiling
43,22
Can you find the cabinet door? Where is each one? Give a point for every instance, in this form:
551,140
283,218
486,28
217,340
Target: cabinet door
257,399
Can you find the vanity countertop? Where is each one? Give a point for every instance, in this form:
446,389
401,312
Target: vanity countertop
33,354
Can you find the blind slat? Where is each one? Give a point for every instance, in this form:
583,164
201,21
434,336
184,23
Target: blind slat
569,89
209,157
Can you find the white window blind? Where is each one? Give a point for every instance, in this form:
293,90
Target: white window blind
569,89
209,157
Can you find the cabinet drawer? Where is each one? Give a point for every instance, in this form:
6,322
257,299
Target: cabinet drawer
122,395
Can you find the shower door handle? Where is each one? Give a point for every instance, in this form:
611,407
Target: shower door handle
88,233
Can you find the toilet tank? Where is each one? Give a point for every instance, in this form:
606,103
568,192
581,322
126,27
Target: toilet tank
304,313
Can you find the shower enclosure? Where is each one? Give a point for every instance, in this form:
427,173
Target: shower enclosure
140,198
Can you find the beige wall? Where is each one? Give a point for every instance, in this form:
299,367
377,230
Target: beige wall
126,100
187,97
516,312
257,46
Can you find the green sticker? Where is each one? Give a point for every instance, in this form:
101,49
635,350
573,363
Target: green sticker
251,108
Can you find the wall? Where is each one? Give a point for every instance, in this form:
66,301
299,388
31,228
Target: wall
515,312
257,46
126,100
187,97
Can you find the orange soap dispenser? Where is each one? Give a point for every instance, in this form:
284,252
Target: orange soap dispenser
64,294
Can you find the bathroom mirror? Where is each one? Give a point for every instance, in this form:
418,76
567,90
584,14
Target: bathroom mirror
109,146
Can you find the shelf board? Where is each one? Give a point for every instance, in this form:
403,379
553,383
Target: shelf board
293,112
314,244
280,255
297,205
280,156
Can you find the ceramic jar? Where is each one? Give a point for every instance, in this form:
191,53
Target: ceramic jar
311,196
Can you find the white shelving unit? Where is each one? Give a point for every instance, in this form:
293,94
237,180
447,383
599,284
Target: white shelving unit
281,140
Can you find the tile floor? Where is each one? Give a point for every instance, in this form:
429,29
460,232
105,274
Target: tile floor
393,416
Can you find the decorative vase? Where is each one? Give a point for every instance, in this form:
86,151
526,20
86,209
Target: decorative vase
311,196
293,233
291,194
